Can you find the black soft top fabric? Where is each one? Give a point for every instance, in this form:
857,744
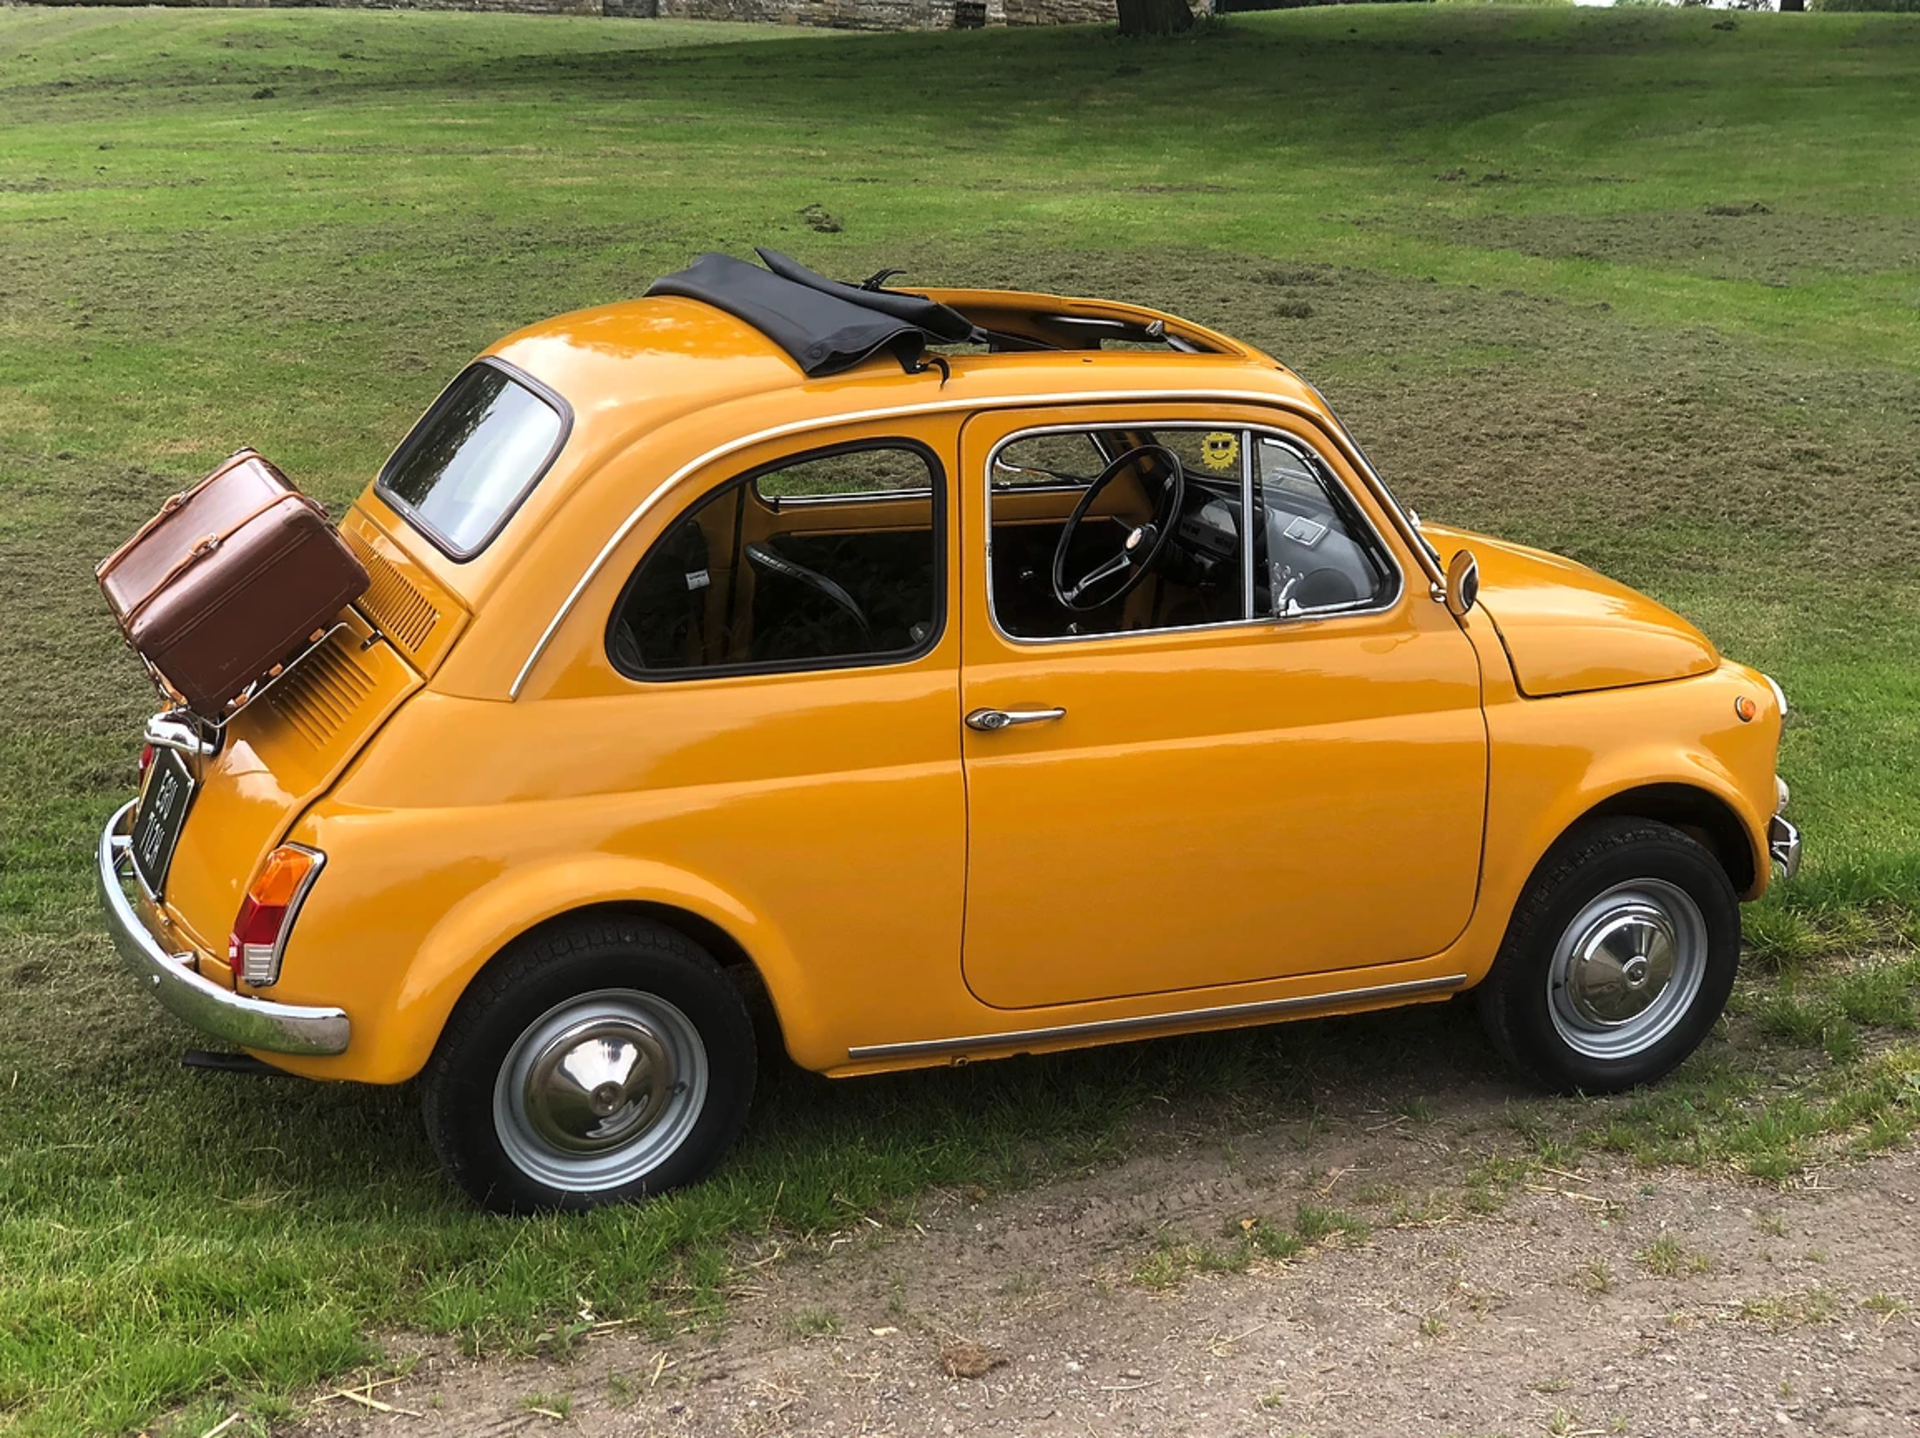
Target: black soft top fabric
825,325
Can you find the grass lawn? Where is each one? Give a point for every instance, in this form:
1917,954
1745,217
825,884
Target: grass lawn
1640,286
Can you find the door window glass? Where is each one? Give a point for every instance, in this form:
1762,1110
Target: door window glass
826,560
1312,554
1114,531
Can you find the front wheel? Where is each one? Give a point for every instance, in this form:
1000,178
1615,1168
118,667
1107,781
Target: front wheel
600,1061
1618,960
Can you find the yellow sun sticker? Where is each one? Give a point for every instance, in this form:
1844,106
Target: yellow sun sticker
1220,450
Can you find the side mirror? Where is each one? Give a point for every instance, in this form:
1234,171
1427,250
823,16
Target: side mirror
1463,583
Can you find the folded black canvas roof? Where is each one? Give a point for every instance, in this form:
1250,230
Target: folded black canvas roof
825,325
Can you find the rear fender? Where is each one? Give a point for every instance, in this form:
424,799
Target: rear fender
474,931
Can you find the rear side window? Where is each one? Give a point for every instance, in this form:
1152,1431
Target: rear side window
824,561
474,456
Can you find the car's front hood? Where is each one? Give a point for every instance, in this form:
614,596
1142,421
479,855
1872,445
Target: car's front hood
1567,629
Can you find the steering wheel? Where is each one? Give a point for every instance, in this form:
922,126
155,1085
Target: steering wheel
1142,546
771,560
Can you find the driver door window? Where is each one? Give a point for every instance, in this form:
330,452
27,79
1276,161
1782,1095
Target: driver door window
1312,554
1115,531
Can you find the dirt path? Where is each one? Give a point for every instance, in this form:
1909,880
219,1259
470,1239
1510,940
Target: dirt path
1599,1303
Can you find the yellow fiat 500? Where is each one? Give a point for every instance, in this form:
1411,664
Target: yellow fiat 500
982,673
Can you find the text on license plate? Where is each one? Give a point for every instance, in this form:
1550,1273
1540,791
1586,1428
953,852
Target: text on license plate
162,814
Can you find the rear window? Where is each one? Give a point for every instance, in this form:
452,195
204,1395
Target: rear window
474,456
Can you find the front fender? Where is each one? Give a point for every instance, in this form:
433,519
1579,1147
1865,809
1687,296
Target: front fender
1553,762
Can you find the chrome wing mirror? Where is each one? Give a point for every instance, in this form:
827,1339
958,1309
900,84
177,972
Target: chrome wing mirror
1463,583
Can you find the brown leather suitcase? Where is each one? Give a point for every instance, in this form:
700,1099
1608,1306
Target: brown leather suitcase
230,580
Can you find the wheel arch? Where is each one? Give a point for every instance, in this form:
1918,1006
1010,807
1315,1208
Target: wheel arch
698,928
1694,810
490,923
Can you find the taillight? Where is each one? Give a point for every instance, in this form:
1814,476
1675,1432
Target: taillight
146,761
267,913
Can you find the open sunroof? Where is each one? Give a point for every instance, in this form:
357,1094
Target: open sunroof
827,326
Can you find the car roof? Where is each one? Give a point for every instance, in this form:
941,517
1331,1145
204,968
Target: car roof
641,363
687,384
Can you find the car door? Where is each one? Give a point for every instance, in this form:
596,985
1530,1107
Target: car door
1268,760
786,659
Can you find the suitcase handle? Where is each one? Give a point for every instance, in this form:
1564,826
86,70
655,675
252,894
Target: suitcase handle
173,502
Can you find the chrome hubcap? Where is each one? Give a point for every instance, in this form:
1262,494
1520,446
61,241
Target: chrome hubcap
598,1084
1627,969
600,1090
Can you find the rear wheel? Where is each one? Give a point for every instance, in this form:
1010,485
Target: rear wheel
601,1061
1618,959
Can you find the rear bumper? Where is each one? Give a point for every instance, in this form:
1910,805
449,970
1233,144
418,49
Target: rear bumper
209,1007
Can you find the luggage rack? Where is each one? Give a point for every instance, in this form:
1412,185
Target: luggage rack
178,727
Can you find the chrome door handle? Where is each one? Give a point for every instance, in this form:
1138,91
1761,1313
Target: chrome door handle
990,721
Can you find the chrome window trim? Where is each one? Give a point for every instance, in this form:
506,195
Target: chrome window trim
779,502
938,496
1249,620
1246,510
922,1047
1260,398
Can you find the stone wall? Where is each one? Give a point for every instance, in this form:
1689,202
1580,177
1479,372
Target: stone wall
867,14
837,14
886,14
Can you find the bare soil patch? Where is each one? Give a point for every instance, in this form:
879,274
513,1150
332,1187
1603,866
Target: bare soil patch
1738,239
1603,1301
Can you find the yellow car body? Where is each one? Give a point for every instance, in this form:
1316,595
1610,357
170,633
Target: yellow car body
1232,823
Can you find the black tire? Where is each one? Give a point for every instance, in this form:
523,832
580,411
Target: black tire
1613,887
641,1001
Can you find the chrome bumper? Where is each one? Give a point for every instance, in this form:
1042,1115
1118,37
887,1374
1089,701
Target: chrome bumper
1783,842
250,1023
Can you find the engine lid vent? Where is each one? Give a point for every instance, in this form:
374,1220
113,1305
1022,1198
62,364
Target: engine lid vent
409,607
325,691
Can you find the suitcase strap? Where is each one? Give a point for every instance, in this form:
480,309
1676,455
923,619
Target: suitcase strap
173,502
207,543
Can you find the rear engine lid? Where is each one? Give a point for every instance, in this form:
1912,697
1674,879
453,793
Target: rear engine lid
281,753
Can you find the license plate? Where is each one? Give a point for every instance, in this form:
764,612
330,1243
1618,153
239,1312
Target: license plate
162,814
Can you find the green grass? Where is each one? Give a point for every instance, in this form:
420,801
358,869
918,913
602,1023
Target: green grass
1484,232
1173,1259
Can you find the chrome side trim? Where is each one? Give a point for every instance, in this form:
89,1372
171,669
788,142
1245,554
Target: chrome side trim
250,1023
900,411
1779,694
1305,1003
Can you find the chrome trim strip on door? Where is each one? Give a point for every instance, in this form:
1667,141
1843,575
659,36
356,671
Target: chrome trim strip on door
922,1047
641,510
